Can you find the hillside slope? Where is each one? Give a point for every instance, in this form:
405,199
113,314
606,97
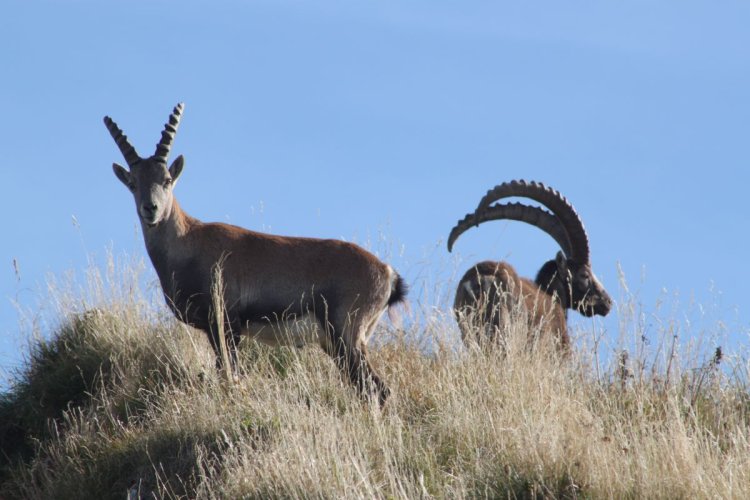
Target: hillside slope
124,400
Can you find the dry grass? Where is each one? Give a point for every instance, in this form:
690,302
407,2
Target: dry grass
124,399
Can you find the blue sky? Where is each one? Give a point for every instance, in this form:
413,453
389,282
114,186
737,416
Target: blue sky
360,119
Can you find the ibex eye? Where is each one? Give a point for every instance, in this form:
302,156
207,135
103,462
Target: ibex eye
167,181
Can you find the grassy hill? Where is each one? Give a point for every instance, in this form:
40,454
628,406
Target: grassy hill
123,400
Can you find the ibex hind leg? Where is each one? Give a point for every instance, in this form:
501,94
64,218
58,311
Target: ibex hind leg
380,387
346,345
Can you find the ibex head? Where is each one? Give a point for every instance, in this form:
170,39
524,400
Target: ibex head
578,289
149,179
569,275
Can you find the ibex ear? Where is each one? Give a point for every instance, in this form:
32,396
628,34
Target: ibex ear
562,264
176,168
122,174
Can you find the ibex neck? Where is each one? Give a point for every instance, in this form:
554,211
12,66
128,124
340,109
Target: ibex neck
549,281
164,238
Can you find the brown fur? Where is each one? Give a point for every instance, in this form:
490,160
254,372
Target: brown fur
496,294
491,293
267,278
271,284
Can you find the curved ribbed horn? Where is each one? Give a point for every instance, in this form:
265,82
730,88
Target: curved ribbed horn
167,135
515,211
554,201
127,149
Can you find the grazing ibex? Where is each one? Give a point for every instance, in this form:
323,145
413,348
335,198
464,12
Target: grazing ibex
276,289
489,291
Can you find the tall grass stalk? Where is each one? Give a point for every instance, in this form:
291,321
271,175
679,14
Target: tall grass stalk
219,311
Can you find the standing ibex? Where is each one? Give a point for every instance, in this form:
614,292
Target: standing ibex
489,291
276,289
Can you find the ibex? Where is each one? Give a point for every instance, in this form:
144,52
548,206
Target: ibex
489,291
277,289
